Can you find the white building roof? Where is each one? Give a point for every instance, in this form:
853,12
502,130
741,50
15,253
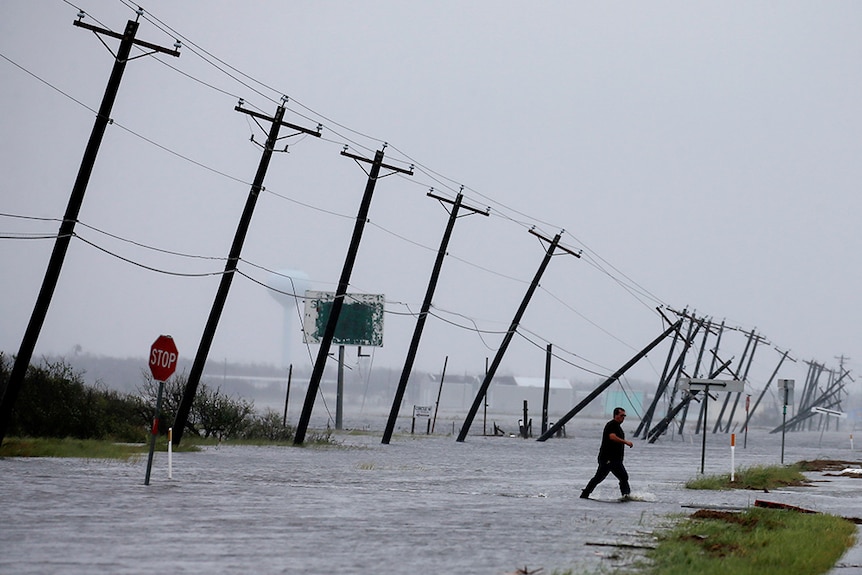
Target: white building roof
555,383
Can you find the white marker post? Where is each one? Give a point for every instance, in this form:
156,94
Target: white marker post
170,453
732,460
694,384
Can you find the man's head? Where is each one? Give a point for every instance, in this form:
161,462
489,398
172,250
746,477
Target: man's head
619,414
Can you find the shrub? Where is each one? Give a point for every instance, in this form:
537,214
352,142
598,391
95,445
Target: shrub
54,402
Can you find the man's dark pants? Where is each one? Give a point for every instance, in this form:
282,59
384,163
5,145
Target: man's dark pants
606,467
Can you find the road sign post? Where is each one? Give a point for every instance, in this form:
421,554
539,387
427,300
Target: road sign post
695,384
786,386
163,363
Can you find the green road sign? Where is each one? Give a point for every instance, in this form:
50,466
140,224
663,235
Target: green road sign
360,321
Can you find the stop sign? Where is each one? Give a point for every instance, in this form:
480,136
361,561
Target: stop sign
163,357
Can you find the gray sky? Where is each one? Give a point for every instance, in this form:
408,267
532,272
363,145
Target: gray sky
703,155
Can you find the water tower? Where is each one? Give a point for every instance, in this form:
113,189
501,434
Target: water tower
288,289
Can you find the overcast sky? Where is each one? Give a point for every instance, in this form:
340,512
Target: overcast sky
703,155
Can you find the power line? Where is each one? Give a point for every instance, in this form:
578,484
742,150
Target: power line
146,267
635,290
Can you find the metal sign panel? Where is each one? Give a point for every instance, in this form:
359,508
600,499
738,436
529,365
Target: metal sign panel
422,411
359,323
786,387
834,412
696,384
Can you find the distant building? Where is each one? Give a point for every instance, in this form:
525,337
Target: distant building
508,393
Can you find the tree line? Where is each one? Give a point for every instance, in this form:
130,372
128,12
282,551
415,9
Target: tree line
54,401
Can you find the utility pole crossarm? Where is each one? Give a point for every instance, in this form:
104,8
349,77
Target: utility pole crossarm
260,116
549,240
16,377
485,212
118,36
408,171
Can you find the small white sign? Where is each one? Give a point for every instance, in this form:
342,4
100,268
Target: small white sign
696,384
824,411
422,411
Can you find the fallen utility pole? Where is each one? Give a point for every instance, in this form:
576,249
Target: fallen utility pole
826,399
765,388
662,425
510,333
687,341
811,386
643,425
343,283
70,218
757,340
690,338
714,352
608,382
197,369
696,370
718,425
426,307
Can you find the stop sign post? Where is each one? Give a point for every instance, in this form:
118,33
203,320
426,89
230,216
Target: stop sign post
163,363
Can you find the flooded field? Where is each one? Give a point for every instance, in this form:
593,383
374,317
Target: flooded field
422,504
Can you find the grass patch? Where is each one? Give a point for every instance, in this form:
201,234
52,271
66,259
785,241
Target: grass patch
759,477
754,542
108,449
68,447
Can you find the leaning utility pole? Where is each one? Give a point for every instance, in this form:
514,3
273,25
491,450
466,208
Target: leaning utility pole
232,260
757,340
343,283
67,227
654,433
718,425
766,387
696,371
426,307
608,382
489,375
643,425
671,375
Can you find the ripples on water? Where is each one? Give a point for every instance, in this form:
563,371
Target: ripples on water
419,505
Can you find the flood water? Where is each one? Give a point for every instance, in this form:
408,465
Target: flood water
422,504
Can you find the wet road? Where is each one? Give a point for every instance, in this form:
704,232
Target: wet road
422,504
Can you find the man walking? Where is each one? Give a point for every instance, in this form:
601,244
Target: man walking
611,455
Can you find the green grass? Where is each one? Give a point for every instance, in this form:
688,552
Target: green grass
68,447
107,449
759,477
753,542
